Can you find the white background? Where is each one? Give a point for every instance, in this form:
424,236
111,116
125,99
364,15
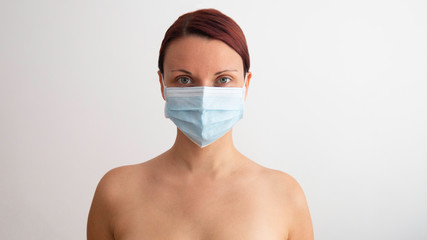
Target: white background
338,100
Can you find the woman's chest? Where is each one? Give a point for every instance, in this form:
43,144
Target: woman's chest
204,214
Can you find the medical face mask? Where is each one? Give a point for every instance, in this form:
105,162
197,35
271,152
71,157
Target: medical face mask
204,114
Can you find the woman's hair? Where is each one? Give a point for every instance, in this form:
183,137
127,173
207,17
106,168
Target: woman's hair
209,23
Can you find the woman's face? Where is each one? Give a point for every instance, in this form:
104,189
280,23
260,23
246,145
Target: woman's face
198,61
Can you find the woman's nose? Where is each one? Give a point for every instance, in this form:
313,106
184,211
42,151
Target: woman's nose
205,83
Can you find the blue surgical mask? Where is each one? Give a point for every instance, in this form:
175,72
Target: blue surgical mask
204,114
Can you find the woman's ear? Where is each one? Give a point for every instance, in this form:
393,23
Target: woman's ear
248,80
161,84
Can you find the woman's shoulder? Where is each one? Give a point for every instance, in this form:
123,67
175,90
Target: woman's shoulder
121,173
115,181
283,179
289,194
282,184
122,181
114,190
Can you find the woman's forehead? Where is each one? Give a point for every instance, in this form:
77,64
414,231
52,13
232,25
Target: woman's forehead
200,53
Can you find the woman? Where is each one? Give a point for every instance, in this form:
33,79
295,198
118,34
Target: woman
202,187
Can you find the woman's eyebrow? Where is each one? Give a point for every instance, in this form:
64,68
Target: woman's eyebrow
182,70
218,73
189,73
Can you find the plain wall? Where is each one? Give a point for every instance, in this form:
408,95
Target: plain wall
338,100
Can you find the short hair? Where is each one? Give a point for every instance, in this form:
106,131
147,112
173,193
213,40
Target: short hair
209,23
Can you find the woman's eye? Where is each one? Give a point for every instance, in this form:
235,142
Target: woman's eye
224,80
184,80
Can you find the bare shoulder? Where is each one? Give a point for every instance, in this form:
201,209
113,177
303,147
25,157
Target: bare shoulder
116,180
292,198
122,173
286,185
107,199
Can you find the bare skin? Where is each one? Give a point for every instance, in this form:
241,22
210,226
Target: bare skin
195,193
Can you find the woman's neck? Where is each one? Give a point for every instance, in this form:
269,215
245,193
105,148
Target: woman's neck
217,159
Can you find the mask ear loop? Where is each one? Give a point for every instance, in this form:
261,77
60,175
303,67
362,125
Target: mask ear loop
163,80
244,86
164,85
164,93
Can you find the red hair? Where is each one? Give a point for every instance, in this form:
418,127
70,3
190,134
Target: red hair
209,23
